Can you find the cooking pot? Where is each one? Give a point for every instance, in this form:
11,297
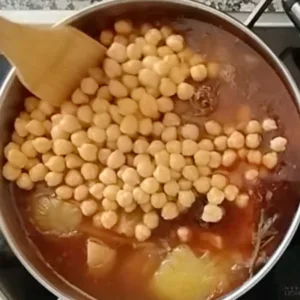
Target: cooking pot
91,20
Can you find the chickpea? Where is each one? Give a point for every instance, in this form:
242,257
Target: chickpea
215,160
17,158
278,144
117,89
116,159
253,126
173,147
167,87
31,103
165,104
88,207
206,144
177,74
131,177
169,211
68,108
35,128
123,27
177,161
56,164
229,158
151,219
219,181
124,144
190,131
79,138
132,67
69,123
96,190
81,192
140,146
124,198
130,81
213,128
175,42
110,192
108,176
162,68
220,143
215,196
148,78
166,31
202,184
199,72
113,132
140,158
190,172
117,52
42,144
109,205
186,198
270,160
212,213
121,39
145,126
149,61
17,139
73,161
162,158
242,200
10,172
96,135
156,146
171,188
127,106
251,174
242,153
202,157
185,91
24,182
171,119
269,125
129,125
103,93
12,145
169,134
153,36
157,129
64,192
109,218
79,97
134,51
204,171
149,185
54,179
37,115
98,75
162,174
137,93
254,157
140,196
184,184
253,140
88,152
142,232
73,178
145,169
58,133
38,172
189,147
46,157
30,163
85,114
158,200
106,37
20,127
89,85
236,140
231,191
89,171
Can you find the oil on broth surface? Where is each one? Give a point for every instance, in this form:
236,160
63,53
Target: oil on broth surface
246,88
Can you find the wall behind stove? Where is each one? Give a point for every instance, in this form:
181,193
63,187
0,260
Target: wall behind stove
225,5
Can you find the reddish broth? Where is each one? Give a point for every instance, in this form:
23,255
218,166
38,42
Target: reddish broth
246,79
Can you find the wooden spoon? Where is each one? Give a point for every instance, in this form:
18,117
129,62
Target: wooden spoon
50,61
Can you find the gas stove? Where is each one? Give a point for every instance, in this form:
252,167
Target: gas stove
283,282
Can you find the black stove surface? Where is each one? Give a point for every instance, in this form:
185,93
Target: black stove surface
282,283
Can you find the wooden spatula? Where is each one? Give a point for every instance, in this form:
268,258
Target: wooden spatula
50,61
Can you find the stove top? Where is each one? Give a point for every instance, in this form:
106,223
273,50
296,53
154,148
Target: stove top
282,283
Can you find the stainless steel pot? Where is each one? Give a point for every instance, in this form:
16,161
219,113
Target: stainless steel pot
91,19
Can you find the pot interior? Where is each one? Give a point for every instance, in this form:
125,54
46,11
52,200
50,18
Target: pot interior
91,21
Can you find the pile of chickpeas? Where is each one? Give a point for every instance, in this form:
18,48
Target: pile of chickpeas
118,145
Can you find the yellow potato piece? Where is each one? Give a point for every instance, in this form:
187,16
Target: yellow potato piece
184,276
55,216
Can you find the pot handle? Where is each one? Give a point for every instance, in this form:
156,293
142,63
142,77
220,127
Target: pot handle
292,9
257,12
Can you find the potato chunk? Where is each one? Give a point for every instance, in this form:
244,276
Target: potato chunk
100,258
55,216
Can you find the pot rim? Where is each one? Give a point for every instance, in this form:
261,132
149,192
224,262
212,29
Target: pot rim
291,86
